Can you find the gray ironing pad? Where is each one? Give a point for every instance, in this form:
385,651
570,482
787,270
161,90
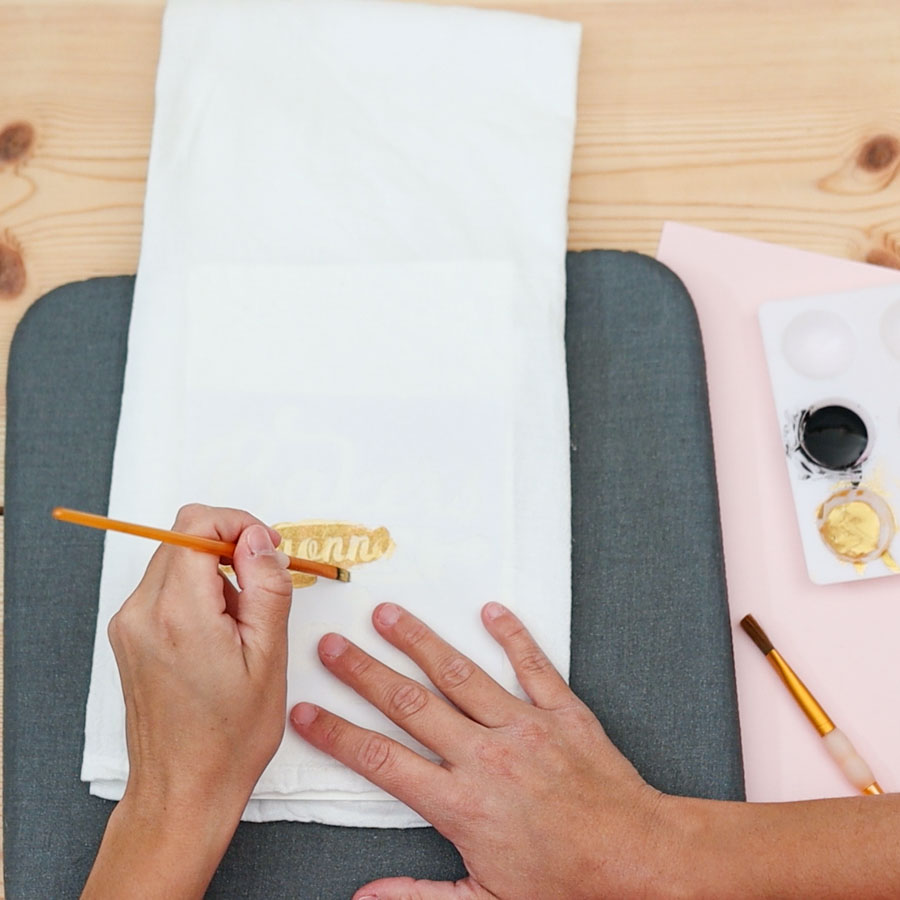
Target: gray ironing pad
651,641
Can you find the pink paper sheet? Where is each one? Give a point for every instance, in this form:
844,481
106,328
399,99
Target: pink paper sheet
843,640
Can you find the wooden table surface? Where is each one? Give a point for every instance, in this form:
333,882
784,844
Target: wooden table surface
774,119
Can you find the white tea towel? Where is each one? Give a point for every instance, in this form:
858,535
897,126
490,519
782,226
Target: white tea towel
355,231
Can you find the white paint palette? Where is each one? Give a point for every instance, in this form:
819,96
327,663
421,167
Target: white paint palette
834,362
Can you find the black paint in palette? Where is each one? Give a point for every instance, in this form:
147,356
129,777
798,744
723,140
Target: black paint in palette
833,437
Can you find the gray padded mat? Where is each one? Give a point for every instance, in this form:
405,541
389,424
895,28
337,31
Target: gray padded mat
651,647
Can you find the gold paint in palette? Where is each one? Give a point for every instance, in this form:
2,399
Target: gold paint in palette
857,526
336,543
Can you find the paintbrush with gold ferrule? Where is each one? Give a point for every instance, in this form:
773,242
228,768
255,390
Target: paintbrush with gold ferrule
223,549
837,743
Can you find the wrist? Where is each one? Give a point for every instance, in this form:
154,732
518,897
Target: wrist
205,824
711,852
685,857
651,849
674,850
155,846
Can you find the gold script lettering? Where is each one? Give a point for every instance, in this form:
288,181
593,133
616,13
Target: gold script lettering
358,550
338,543
333,550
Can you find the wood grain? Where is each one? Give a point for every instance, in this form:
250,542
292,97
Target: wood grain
779,121
776,121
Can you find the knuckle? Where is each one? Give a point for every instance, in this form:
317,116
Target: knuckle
114,630
467,805
191,514
454,672
130,632
375,754
495,758
514,630
531,730
533,661
465,817
416,634
406,700
332,732
359,665
581,721
578,712
121,625
275,582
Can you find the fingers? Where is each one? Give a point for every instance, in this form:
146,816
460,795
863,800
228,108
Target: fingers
219,523
263,604
454,675
540,680
422,785
460,680
417,710
413,889
193,573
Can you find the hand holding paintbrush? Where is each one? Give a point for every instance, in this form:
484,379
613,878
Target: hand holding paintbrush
223,549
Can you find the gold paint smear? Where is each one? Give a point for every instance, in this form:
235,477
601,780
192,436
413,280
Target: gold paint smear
890,562
341,544
852,529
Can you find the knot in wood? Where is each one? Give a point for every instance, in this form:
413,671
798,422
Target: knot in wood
12,272
15,141
878,153
881,257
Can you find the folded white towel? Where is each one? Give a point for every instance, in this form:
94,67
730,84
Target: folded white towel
350,307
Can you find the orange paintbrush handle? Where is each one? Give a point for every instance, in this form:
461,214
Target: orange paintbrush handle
191,541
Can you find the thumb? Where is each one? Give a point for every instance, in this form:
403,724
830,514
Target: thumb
264,601
412,889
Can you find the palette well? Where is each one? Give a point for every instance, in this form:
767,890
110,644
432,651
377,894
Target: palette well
834,364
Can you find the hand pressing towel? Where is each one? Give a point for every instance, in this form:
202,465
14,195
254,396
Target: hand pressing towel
349,317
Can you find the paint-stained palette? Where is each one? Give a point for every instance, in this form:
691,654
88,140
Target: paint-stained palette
834,361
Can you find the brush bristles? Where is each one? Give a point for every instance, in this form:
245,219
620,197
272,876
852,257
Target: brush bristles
343,575
760,638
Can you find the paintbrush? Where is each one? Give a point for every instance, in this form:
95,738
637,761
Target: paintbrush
223,549
837,743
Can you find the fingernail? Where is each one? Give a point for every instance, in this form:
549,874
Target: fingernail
304,713
333,645
494,611
388,614
367,897
282,559
258,541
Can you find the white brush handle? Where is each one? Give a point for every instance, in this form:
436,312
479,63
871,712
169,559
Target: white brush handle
852,764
